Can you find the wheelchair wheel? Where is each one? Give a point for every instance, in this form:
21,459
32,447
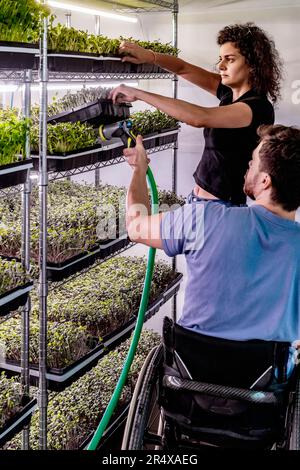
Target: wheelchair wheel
295,431
144,418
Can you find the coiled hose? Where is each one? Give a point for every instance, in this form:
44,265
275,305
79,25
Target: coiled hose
138,328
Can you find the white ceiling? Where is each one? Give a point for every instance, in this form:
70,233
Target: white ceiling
191,6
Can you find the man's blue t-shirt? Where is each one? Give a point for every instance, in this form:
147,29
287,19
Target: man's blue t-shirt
243,266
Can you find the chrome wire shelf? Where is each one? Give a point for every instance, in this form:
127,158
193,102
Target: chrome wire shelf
92,77
16,77
11,191
161,148
12,76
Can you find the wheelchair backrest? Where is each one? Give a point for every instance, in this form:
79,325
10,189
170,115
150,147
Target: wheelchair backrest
246,364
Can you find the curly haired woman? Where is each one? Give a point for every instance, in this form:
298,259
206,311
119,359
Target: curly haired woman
249,75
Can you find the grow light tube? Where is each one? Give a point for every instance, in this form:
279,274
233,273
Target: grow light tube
90,11
8,88
74,86
65,86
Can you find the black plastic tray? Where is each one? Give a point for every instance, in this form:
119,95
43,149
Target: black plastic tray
58,271
167,139
71,160
14,298
149,142
95,113
14,173
82,62
89,156
112,436
146,68
17,55
59,379
17,422
73,62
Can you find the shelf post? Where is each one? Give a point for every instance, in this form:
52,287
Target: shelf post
25,250
97,25
175,149
97,32
43,285
69,19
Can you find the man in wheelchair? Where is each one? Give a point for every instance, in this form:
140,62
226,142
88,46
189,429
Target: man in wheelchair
229,374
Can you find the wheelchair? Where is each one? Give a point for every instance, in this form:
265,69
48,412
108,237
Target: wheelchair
195,392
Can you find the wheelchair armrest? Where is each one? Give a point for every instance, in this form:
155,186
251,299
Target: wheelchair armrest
257,397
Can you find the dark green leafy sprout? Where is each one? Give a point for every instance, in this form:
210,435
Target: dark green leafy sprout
75,212
145,122
155,46
65,137
66,39
12,274
84,310
20,20
107,296
13,131
66,342
73,100
10,398
74,413
69,137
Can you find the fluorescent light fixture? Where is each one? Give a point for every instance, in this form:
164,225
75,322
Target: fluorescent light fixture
8,88
91,11
64,86
76,86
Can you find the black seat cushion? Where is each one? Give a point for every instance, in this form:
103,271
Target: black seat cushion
221,361
229,363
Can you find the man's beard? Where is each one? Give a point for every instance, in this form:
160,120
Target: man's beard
248,187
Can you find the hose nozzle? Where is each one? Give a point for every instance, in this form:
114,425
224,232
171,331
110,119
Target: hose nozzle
121,129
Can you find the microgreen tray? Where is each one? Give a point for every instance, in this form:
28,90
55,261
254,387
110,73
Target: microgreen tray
14,173
95,113
17,55
112,436
58,271
167,136
82,62
15,298
64,161
146,68
59,379
100,153
14,425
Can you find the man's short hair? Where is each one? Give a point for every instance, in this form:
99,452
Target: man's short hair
280,158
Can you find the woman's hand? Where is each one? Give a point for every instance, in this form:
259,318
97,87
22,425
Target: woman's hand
135,53
136,156
124,94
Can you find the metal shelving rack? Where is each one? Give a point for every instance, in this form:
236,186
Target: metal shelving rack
44,177
25,78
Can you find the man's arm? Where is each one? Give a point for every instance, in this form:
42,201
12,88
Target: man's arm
141,226
230,116
136,54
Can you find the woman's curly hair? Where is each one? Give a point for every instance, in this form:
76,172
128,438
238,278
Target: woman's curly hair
260,54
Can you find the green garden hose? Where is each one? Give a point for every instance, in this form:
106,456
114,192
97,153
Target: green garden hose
138,328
